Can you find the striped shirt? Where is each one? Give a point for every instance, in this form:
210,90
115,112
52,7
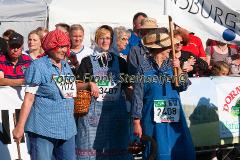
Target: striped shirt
16,71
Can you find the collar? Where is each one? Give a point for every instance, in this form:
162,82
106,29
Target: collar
81,49
145,50
50,64
20,59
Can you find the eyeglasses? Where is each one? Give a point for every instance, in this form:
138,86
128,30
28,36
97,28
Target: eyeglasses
180,43
124,39
105,38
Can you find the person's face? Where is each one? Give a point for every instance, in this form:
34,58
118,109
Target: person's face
164,53
14,51
77,37
34,42
223,72
122,42
137,22
59,53
143,32
179,45
104,41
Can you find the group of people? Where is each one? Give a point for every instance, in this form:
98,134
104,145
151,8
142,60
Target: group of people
57,64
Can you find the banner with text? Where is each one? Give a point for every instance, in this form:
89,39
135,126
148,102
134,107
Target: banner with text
213,19
229,108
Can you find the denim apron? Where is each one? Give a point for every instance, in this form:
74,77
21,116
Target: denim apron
173,138
103,133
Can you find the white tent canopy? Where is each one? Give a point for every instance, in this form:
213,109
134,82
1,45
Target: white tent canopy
22,15
93,13
26,15
23,10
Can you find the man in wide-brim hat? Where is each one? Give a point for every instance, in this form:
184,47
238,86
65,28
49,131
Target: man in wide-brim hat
137,53
156,39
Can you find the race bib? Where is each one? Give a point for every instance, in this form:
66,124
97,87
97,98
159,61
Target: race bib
108,91
166,111
67,85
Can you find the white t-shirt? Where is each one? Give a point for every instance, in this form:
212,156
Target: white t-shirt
84,52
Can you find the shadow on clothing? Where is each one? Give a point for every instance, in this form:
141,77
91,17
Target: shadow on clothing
112,135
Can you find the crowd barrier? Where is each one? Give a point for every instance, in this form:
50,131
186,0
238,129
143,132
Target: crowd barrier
212,109
211,105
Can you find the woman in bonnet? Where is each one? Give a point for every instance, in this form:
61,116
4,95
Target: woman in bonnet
103,132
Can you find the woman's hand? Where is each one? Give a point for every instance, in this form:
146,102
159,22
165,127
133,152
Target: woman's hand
187,67
191,61
137,128
94,89
24,112
18,133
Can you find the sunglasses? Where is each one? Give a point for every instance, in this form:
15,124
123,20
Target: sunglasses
180,43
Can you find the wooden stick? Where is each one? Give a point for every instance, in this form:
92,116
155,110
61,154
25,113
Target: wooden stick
17,142
175,69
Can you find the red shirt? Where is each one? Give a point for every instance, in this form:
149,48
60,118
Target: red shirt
195,46
12,71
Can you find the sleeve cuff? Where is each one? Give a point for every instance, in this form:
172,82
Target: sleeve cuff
31,89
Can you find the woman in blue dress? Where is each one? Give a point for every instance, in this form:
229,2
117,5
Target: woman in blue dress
103,132
157,109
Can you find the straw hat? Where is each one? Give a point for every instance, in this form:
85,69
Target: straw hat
149,23
156,39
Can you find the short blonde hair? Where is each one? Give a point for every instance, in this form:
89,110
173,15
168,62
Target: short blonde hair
102,30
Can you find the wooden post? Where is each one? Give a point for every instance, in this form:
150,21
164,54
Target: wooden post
173,50
17,142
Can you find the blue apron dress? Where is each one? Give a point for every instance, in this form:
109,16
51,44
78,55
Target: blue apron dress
103,134
173,138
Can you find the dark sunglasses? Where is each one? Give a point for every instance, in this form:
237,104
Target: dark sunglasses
180,43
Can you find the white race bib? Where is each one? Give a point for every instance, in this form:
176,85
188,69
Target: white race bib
108,91
166,111
66,85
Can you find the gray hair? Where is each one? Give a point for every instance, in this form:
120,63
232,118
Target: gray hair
120,31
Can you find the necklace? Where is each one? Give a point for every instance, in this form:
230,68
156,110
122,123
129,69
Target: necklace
104,60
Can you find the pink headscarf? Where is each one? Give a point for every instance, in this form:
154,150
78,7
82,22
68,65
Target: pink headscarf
55,39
